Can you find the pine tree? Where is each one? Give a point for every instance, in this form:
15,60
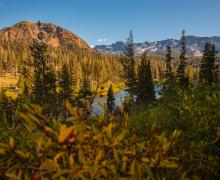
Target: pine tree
74,71
168,62
128,63
85,98
50,87
110,100
50,82
170,82
208,70
145,87
65,83
23,82
181,77
85,90
40,65
213,66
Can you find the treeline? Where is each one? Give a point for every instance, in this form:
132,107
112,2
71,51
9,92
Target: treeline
15,56
48,83
47,79
139,78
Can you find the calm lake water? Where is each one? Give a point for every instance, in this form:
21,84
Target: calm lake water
119,99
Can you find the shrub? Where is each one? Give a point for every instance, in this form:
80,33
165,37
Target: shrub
75,149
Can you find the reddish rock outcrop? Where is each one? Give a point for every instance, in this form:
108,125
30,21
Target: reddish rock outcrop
54,35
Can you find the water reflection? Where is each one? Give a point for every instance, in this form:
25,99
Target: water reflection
119,99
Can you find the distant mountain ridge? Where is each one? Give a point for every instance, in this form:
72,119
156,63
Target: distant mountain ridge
54,35
194,46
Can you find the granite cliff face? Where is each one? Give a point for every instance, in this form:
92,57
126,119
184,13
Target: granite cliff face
54,35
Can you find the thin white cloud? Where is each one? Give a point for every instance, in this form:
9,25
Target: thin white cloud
102,40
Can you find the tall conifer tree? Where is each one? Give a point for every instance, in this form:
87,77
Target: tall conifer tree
208,70
85,98
128,63
40,65
181,76
168,62
145,87
51,95
110,100
65,83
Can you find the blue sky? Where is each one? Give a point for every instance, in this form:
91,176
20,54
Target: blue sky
107,21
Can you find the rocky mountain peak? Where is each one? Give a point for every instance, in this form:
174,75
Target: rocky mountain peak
26,31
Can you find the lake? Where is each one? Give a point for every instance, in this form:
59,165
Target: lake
119,99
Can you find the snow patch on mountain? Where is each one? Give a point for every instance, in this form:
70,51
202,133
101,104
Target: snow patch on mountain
194,46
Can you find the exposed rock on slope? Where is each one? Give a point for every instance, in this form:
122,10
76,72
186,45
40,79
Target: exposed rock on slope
26,31
194,46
